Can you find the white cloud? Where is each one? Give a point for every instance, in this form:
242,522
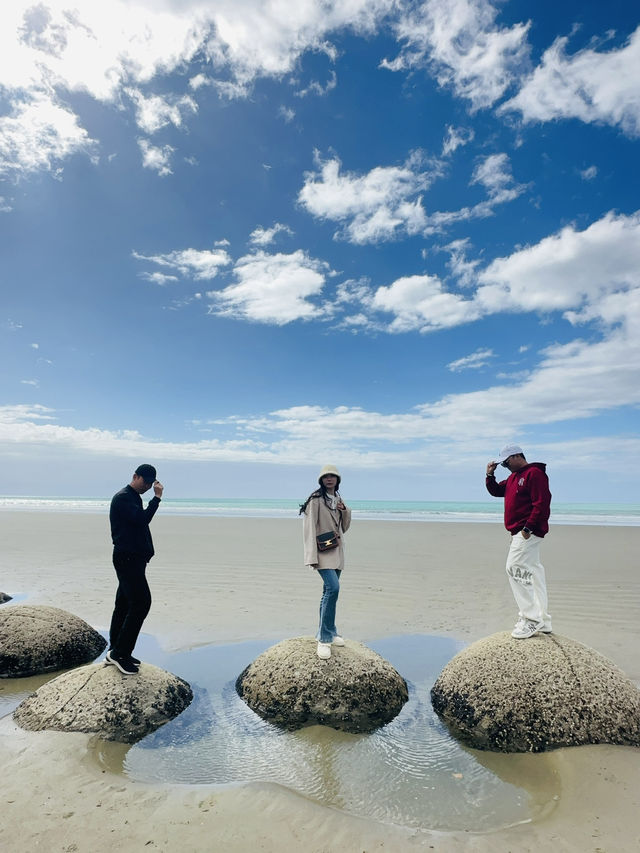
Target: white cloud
316,88
589,173
255,38
590,86
39,133
192,263
5,206
420,303
158,277
455,138
590,275
494,173
376,206
386,202
33,382
263,236
271,288
462,268
23,412
156,157
459,42
567,271
479,358
155,112
287,114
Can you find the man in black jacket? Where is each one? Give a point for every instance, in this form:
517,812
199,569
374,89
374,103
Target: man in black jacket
132,550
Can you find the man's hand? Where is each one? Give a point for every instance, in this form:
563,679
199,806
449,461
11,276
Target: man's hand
525,534
158,489
491,467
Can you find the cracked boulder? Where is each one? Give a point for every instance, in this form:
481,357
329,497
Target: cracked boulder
355,690
36,639
99,700
533,695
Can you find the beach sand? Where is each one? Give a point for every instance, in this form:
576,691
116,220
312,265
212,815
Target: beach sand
230,580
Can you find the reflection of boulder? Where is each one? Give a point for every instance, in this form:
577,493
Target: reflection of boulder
532,695
194,724
355,690
4,597
35,639
100,700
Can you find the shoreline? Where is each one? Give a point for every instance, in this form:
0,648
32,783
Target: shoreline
230,580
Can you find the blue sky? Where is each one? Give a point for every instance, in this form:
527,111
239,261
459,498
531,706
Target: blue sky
243,238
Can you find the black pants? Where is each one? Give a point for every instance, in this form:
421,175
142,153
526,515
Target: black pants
133,602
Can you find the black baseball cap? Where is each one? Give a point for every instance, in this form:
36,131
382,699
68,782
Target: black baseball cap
147,472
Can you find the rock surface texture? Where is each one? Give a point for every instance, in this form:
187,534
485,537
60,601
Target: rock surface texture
533,695
100,700
36,639
355,690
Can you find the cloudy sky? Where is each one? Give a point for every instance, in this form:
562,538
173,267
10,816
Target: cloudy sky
241,238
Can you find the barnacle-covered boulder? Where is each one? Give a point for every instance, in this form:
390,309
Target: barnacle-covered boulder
532,695
355,690
100,700
36,639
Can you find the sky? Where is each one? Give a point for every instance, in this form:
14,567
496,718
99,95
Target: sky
241,239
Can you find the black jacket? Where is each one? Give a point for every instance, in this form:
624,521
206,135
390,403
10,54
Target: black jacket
130,523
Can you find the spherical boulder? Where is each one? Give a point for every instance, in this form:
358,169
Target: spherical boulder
355,690
100,700
533,695
36,639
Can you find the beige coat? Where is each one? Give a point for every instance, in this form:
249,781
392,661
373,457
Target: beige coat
318,518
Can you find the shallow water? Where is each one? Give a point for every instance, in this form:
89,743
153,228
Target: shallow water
411,772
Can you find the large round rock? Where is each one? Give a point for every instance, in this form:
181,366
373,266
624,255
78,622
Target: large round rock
36,639
355,690
533,695
100,700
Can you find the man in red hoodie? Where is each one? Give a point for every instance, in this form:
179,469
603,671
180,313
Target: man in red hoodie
527,503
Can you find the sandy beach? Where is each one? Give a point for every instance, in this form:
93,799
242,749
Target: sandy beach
220,581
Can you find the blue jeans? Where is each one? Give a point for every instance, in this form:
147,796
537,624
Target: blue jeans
330,591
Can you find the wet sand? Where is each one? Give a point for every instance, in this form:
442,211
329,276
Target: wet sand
230,580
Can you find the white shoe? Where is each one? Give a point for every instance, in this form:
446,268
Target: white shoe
525,628
337,641
324,651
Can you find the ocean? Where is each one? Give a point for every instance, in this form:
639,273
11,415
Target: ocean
416,511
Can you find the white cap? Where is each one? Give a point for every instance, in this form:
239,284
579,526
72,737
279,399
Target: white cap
509,450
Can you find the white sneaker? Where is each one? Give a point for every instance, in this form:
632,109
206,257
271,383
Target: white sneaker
525,628
324,651
337,641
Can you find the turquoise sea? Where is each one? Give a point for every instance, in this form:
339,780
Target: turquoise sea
418,511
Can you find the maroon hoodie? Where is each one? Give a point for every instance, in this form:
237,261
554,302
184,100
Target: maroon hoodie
527,499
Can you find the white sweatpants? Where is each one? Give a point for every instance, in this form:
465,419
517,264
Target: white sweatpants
527,579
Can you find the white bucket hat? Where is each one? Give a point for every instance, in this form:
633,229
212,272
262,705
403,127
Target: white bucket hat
329,469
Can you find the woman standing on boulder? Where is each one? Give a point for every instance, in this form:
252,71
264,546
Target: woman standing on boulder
326,518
